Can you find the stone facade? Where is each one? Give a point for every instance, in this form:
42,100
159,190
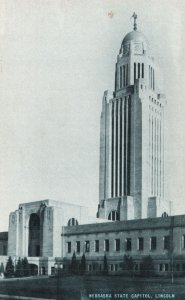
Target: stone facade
35,228
162,238
132,136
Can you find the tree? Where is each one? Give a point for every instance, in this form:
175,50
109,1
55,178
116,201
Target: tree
105,265
147,266
19,268
74,266
1,269
83,264
9,270
128,264
25,267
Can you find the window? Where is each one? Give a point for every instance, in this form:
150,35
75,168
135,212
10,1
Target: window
111,267
128,244
135,267
52,270
113,215
138,70
69,247
166,242
140,243
116,267
183,241
153,243
117,244
160,267
97,246
90,267
72,222
134,72
78,246
124,76
87,246
121,76
166,267
106,245
142,70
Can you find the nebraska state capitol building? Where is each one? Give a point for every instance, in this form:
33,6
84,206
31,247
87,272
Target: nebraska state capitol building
132,215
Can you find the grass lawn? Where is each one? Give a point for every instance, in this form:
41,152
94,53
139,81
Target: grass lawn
87,287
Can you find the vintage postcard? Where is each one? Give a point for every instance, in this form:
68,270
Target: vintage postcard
92,143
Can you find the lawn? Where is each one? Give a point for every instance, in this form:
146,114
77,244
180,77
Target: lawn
94,287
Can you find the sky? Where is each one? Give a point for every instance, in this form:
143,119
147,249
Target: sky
56,59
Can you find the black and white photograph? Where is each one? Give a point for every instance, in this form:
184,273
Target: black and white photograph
92,149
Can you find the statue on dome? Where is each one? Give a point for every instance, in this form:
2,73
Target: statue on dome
135,17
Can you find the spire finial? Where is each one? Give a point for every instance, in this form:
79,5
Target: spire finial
135,17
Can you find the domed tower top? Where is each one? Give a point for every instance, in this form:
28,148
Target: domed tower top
134,37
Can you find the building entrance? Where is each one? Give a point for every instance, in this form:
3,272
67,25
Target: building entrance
34,236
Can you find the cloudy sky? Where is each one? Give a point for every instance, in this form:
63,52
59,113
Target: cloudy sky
56,59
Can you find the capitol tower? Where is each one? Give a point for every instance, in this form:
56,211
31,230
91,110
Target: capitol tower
131,180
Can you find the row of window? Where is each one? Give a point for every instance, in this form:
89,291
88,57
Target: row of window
117,244
162,267
154,101
138,71
113,215
155,110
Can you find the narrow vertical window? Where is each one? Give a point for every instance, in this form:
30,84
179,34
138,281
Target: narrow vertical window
166,242
69,247
123,76
140,243
78,246
138,70
127,76
128,244
87,246
106,245
120,78
153,81
160,267
183,241
117,244
134,72
142,70
97,246
153,243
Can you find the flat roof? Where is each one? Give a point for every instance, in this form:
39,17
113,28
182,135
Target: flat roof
139,224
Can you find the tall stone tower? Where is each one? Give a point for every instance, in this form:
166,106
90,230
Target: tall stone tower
131,180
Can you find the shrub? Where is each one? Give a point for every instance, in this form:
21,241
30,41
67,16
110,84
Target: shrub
9,270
